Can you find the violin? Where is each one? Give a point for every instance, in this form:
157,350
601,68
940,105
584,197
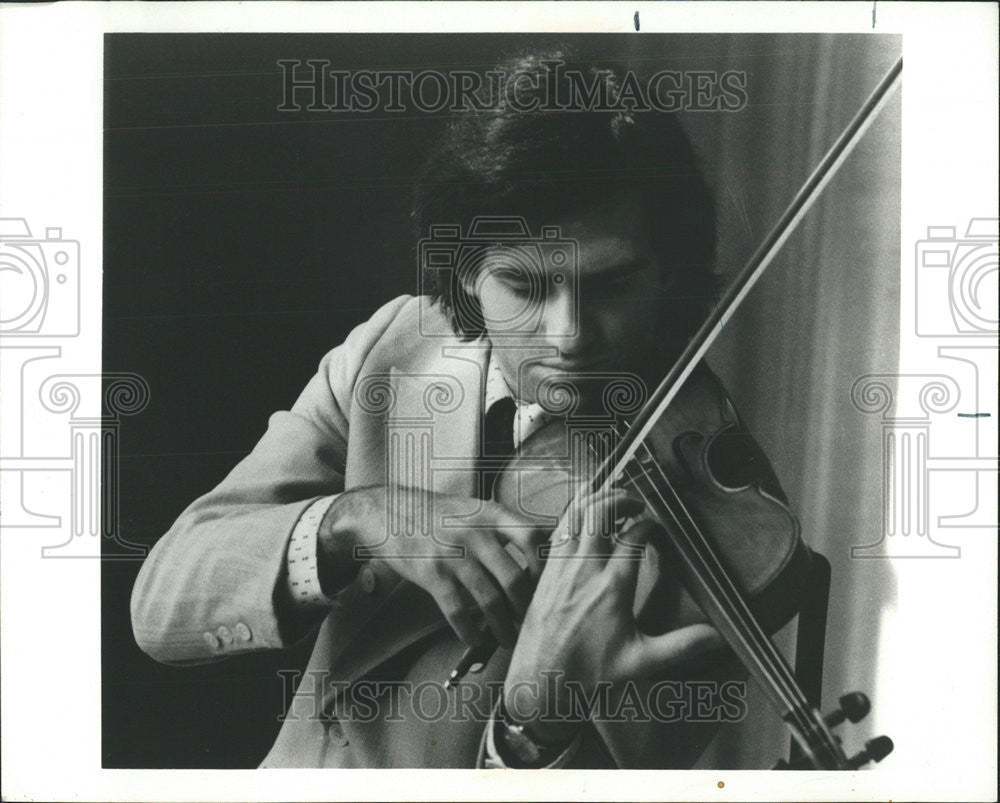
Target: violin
729,539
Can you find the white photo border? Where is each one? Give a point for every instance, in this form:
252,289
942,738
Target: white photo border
939,696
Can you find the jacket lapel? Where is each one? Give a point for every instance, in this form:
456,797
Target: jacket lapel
432,430
425,434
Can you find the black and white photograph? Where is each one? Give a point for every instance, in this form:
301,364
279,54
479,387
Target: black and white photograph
509,397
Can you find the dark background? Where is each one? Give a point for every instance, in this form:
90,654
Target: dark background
241,243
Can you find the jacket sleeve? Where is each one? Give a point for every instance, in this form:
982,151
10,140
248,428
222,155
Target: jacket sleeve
669,721
214,584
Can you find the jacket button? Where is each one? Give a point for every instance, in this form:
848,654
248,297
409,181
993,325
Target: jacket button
211,640
368,579
224,634
242,632
337,736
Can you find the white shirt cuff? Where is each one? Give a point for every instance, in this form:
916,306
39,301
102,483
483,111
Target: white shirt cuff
493,759
303,572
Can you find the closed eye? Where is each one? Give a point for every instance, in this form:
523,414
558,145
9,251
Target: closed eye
517,280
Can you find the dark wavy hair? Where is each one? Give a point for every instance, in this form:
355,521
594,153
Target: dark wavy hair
546,165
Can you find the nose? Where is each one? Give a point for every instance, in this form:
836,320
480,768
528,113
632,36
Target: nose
562,322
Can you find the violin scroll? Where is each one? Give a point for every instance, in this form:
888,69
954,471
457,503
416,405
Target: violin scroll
852,707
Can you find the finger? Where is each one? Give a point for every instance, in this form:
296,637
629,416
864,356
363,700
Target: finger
588,516
524,547
523,534
679,646
600,513
626,560
571,521
456,607
490,600
581,500
512,576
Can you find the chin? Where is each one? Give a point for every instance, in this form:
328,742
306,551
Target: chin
603,393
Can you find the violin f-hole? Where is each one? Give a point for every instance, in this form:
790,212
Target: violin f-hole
733,459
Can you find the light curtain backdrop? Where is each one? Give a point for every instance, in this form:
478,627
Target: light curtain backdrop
826,313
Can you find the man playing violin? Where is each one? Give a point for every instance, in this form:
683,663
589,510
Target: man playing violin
369,509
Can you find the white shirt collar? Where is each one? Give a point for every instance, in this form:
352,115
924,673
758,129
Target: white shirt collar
528,417
496,385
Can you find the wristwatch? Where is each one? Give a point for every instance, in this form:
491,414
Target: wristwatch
527,749
516,747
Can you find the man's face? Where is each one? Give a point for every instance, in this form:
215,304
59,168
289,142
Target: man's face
577,324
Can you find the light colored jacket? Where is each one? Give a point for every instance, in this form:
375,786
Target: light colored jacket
211,587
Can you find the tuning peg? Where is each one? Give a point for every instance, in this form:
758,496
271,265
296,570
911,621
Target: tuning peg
875,750
854,706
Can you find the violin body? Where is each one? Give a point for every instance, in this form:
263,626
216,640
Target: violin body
731,545
700,449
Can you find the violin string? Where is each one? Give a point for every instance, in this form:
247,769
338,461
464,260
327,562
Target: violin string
769,672
775,672
769,668
755,640
803,719
783,694
625,450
